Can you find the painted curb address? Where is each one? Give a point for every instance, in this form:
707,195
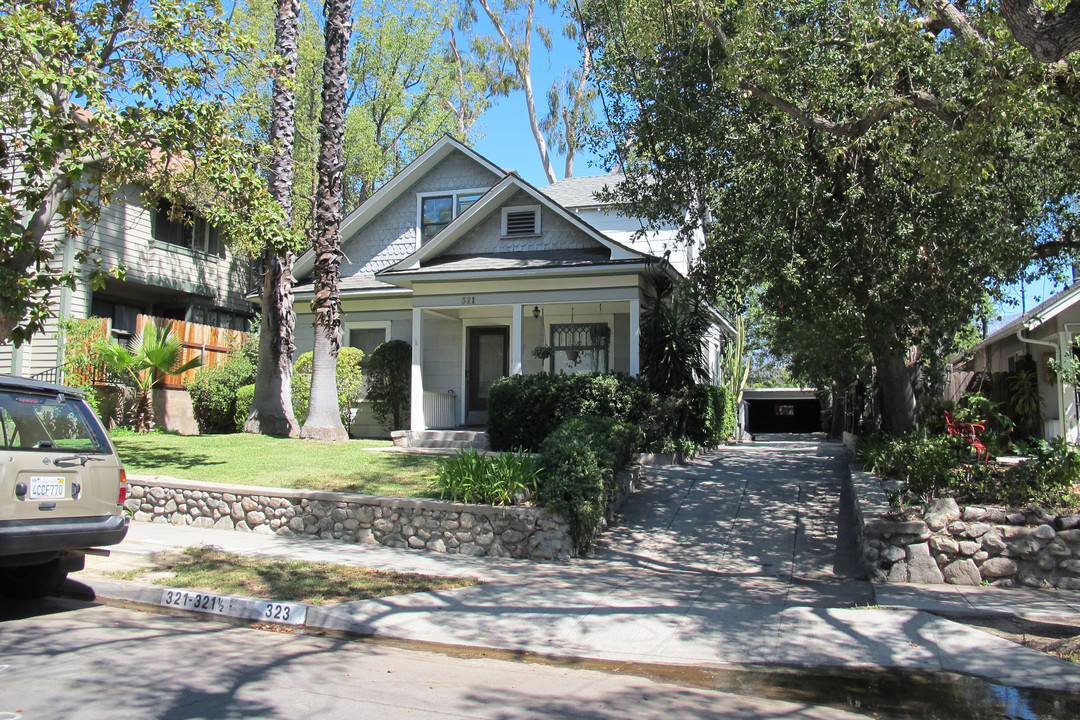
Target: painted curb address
273,611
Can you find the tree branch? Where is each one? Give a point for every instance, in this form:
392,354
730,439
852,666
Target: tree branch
1049,35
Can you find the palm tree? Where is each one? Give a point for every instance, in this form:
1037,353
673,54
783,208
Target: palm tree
324,420
271,408
148,353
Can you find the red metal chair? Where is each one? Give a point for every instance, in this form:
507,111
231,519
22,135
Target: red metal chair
969,433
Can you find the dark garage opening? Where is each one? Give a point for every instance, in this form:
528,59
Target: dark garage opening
777,413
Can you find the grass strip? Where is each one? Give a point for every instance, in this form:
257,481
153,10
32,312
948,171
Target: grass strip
210,569
249,459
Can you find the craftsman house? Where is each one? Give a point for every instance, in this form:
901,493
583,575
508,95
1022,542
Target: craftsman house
486,276
176,268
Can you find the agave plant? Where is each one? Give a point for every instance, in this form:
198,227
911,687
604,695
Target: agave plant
149,351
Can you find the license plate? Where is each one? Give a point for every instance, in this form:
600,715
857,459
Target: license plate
47,487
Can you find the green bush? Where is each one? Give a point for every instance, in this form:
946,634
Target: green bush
213,390
580,459
470,477
711,418
525,409
389,383
245,396
350,383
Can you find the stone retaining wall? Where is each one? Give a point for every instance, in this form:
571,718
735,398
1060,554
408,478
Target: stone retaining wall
965,546
421,524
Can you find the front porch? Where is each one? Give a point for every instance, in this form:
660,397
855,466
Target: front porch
460,349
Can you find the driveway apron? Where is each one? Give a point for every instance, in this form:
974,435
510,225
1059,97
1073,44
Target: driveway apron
759,522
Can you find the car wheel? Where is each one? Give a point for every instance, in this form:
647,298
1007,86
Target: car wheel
30,582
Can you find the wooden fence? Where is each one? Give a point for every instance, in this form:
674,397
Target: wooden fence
210,344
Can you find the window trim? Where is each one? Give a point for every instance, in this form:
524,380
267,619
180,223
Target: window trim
456,210
535,209
384,325
200,229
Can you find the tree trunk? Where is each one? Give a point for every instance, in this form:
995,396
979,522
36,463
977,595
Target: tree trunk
897,395
271,408
324,420
1048,34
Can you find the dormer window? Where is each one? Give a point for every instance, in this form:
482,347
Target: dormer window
437,210
521,220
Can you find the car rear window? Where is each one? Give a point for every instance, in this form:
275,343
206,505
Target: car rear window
30,421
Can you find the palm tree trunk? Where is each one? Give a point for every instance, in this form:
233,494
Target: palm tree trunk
324,420
271,408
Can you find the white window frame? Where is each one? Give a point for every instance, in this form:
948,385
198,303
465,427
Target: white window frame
367,325
454,194
535,209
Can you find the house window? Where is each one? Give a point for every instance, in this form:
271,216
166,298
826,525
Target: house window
580,348
437,211
521,220
123,316
367,338
184,229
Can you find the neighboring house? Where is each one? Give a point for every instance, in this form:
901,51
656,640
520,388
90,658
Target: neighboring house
174,269
475,269
1028,343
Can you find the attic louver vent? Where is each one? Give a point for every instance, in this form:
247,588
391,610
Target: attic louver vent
522,222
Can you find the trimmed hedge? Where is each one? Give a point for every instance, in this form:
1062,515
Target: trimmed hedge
245,396
213,392
712,415
580,460
525,409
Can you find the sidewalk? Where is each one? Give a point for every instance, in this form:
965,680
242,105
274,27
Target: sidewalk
697,576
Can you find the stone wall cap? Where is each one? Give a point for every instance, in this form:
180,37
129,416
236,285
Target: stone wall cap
330,496
881,526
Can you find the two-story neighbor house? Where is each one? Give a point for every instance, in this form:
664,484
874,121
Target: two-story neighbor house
485,276
175,269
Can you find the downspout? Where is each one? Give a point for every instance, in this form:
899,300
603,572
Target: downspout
1059,386
1066,351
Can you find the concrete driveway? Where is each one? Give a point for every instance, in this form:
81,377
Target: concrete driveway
764,522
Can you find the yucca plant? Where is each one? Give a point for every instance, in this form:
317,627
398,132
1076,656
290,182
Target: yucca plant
149,351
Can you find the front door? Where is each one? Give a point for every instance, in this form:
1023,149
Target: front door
488,350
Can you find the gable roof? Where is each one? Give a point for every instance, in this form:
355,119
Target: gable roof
427,257
392,190
580,192
1047,310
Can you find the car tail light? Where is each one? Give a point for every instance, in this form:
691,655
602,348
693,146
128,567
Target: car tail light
122,497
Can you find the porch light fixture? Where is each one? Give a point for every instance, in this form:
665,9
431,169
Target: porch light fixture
536,312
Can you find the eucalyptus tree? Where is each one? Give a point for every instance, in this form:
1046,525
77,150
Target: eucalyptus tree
324,420
99,94
271,407
877,179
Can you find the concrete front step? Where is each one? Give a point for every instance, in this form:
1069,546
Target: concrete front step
440,439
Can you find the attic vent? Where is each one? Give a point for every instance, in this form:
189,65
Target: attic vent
521,221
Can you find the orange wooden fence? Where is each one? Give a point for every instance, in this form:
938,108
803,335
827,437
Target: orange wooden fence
210,344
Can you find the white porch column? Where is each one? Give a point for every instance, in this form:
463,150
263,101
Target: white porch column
417,395
515,341
635,337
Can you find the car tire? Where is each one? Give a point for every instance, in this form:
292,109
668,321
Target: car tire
31,582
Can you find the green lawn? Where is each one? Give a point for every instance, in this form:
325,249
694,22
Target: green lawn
246,459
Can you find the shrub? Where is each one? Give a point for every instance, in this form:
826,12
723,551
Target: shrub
245,396
711,418
213,391
580,459
389,381
470,477
350,383
524,409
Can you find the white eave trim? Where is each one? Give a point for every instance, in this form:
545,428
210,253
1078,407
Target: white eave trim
492,201
599,269
393,189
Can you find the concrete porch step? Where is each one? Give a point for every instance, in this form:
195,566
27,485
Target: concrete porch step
440,439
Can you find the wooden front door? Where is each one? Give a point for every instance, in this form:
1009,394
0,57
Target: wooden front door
488,351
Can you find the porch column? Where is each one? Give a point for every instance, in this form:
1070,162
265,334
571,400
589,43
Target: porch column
515,341
635,337
416,401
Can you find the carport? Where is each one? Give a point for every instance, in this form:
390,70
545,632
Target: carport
781,410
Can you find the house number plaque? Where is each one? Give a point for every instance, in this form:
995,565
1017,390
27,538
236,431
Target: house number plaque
468,299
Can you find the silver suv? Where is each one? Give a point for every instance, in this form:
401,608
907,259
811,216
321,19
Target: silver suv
62,488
